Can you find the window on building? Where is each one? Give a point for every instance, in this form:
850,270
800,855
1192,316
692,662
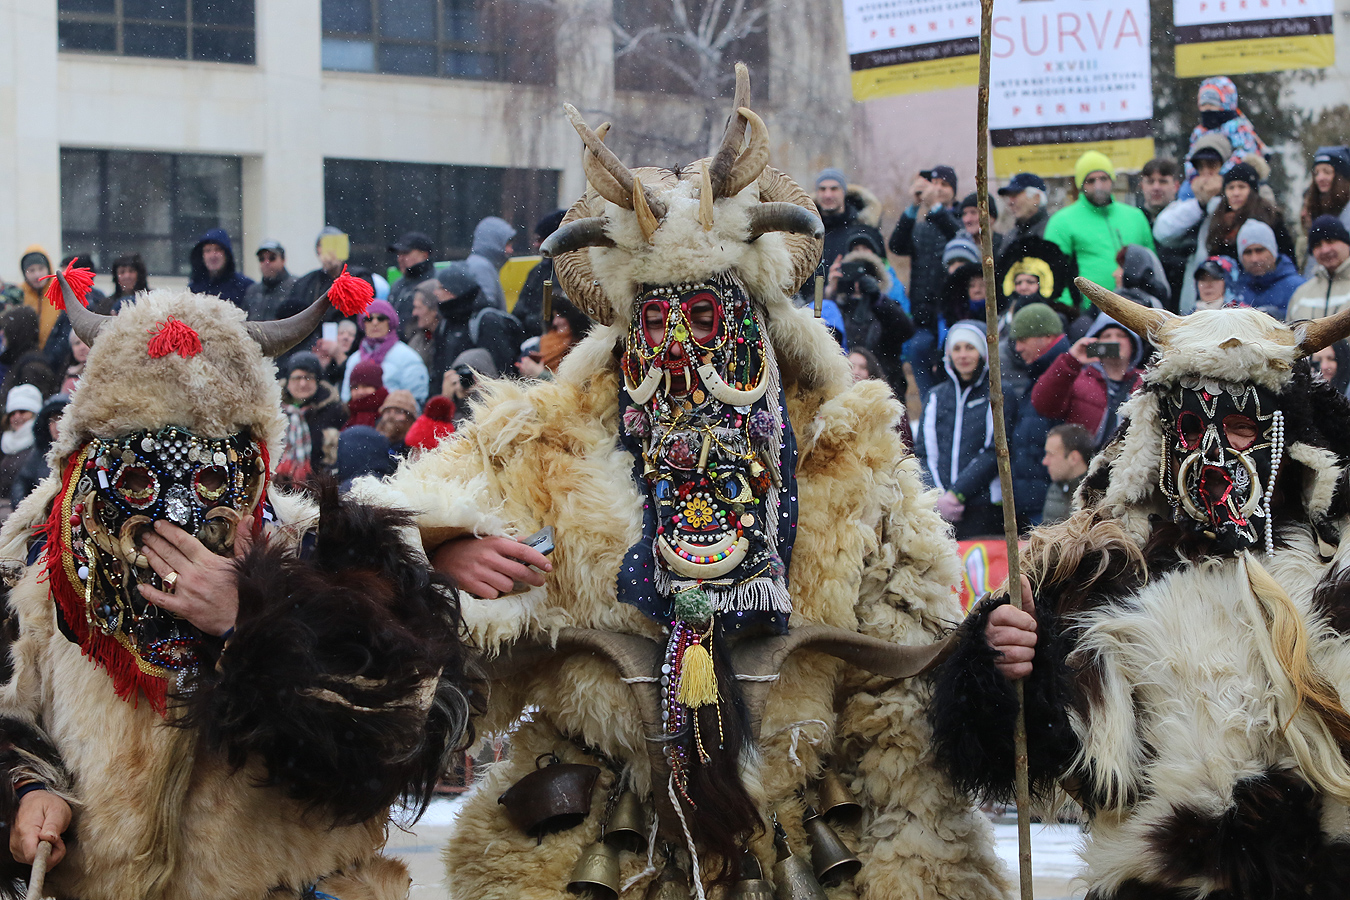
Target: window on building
155,204
208,30
376,202
488,40
655,52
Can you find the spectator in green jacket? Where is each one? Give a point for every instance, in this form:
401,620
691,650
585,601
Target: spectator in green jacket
1094,228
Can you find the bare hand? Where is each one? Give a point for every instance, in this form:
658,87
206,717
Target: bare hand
832,281
950,508
1079,349
206,592
42,816
917,187
1206,186
1012,632
931,195
488,567
324,350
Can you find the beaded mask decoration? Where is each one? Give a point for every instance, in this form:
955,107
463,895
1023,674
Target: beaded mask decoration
115,489
715,455
1225,439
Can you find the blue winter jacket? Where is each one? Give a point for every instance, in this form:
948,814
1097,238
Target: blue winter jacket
1269,292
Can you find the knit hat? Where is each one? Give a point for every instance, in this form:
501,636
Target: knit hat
1223,268
379,308
960,248
832,175
1242,172
1089,162
971,332
436,421
971,200
1212,144
33,256
23,397
1255,233
1036,320
367,374
400,399
308,362
1336,157
1327,228
1218,90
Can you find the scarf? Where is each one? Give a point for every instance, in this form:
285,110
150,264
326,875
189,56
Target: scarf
17,441
366,410
375,350
294,465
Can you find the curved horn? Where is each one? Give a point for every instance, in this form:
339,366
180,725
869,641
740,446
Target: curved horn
705,197
606,173
1142,320
734,135
783,216
752,160
1319,334
648,219
277,337
575,235
83,321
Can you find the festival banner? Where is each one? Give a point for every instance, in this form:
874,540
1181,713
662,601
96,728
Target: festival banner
1230,37
984,567
909,46
1068,76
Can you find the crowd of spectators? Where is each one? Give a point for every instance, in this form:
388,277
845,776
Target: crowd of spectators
1202,232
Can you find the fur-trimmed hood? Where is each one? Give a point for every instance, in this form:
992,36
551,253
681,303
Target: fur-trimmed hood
875,264
865,205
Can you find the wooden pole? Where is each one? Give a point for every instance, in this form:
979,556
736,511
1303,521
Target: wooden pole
1001,436
37,880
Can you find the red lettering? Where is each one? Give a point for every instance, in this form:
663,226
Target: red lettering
1100,36
1085,107
998,52
1129,28
1045,37
1071,31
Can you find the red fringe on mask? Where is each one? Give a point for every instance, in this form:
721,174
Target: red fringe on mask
173,336
350,295
80,281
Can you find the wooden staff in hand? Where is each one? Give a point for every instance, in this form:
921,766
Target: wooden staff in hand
1001,434
39,876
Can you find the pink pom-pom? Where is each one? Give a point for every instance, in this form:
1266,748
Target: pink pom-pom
350,295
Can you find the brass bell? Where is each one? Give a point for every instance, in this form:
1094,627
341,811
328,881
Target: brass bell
627,828
597,872
792,875
751,885
837,803
671,884
830,856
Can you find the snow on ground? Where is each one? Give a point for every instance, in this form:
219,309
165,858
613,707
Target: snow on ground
1054,850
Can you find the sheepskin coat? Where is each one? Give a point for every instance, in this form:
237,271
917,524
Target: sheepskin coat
870,554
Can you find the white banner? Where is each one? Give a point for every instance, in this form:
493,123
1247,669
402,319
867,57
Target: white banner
1067,76
906,46
1230,37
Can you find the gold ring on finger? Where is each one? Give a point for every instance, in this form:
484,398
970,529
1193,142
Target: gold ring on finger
170,582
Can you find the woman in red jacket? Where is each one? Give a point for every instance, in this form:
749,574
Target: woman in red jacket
1087,388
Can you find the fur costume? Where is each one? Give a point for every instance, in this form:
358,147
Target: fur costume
262,765
573,661
1192,660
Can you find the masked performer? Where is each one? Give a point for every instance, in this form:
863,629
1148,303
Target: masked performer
732,518
1190,661
184,716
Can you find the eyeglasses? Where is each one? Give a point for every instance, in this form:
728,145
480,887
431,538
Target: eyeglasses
379,318
302,376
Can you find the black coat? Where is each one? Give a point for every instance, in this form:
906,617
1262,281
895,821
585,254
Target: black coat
497,333
529,306
325,414
401,295
923,242
957,420
1027,430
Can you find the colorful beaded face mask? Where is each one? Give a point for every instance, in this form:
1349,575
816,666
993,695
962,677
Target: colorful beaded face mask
114,491
1227,443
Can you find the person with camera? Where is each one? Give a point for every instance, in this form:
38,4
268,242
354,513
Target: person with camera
1087,385
872,319
461,382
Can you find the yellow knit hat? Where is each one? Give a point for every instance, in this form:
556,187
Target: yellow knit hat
1089,162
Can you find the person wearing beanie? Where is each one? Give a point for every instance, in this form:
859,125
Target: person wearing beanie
397,413
402,367
363,451
959,250
1240,202
969,213
1037,334
1094,228
1328,291
955,443
35,265
1328,193
1086,385
368,394
35,468
436,422
1268,278
315,416
1217,101
22,404
848,213
1182,228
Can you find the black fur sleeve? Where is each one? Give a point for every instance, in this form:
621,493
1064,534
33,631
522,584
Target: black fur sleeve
26,754
974,709
345,674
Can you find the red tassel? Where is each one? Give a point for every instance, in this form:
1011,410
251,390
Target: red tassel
174,336
80,281
350,295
